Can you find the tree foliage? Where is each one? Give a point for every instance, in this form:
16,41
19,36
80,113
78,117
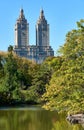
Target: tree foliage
22,80
66,88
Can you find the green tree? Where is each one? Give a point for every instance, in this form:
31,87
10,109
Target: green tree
24,72
10,48
1,67
10,83
66,88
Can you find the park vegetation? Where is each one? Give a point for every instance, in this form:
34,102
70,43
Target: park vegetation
21,80
57,83
66,87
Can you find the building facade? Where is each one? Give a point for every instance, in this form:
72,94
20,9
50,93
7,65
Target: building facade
42,49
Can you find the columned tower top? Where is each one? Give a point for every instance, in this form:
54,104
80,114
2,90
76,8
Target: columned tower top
42,14
42,18
21,14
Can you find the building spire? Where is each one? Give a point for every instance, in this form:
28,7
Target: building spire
42,14
41,17
22,14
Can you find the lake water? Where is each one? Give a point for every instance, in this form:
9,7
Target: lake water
34,118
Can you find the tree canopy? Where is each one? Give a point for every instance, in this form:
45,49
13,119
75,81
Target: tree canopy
66,88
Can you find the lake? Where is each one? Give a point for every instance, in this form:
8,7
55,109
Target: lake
34,118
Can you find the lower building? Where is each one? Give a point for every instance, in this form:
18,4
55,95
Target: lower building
34,53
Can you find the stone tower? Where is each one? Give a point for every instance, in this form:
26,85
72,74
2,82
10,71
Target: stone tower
42,31
21,31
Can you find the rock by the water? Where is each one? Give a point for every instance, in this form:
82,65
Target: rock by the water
76,119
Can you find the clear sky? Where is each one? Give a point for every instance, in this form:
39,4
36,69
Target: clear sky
62,16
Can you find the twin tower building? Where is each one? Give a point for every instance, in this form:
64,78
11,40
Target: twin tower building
42,49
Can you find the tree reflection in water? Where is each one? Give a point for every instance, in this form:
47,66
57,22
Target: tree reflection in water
34,119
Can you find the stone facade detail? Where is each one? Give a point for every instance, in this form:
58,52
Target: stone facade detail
42,49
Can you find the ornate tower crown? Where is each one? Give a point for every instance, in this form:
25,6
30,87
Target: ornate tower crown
21,14
42,14
42,17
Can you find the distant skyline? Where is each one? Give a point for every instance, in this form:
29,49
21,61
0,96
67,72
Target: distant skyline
61,15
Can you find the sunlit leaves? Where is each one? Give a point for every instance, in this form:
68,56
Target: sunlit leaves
66,88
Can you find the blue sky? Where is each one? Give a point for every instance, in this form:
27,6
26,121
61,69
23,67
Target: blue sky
62,16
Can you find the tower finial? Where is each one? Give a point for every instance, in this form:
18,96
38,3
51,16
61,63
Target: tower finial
22,13
42,14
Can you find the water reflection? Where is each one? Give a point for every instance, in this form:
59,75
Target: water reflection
34,119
